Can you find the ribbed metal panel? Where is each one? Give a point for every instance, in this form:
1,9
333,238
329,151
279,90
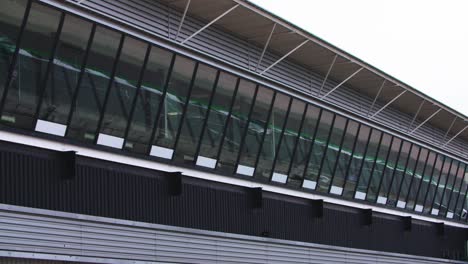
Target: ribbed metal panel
65,236
162,20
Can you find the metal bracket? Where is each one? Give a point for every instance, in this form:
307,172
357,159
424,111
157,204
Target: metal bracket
286,55
182,19
389,103
341,83
427,119
265,47
326,76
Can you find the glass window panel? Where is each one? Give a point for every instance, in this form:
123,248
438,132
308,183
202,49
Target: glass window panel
456,190
426,179
345,154
26,84
148,100
290,137
217,116
408,175
331,154
11,17
387,178
272,136
448,188
439,191
433,183
461,197
197,110
174,102
369,160
356,161
65,72
320,145
416,180
305,142
379,166
123,88
94,84
237,123
399,172
256,127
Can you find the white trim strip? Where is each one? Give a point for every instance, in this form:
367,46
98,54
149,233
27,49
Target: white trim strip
148,164
50,128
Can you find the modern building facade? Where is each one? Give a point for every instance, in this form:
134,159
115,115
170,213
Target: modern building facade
203,131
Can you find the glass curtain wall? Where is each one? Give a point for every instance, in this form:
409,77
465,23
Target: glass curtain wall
70,77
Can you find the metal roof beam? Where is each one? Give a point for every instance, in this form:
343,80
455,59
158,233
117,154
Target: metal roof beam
182,19
341,83
326,76
265,47
389,103
456,135
377,96
416,115
286,55
210,23
448,130
427,119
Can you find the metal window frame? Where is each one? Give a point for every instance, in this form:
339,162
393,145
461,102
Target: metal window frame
265,127
208,110
89,45
464,178
309,155
299,133
431,203
340,148
361,166
422,176
445,185
453,187
405,162
433,172
280,140
109,87
161,103
420,182
137,92
14,58
400,191
463,196
393,176
184,108
385,168
327,148
375,161
50,66
348,167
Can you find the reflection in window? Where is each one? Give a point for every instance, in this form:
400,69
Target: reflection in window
449,186
367,166
255,131
272,137
456,191
288,141
329,160
439,191
171,110
122,92
412,191
236,126
408,175
459,205
94,84
303,146
378,167
389,171
11,16
217,117
356,161
318,149
399,172
29,74
433,183
344,158
65,72
197,110
148,100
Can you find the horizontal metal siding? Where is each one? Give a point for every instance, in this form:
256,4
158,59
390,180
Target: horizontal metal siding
163,20
40,231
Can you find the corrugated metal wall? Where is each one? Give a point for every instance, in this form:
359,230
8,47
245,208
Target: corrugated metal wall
33,178
162,20
64,236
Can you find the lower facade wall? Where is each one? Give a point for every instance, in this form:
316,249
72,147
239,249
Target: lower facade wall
37,178
50,235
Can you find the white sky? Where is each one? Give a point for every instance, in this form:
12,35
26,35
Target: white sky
423,43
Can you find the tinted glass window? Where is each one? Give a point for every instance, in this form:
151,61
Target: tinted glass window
368,164
416,180
398,173
426,179
439,191
379,166
408,175
389,171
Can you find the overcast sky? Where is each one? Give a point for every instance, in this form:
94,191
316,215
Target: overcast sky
423,43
